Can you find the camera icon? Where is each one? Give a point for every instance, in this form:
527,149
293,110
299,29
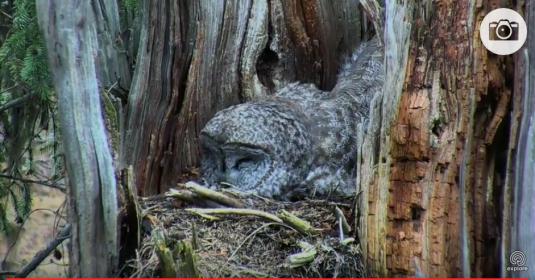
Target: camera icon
503,30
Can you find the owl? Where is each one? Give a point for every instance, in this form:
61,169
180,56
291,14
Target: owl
299,142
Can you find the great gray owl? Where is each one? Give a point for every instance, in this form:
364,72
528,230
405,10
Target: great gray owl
301,141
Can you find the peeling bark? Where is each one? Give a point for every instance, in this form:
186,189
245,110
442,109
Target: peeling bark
434,201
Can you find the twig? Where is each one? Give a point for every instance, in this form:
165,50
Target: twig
344,225
235,211
184,195
16,102
247,239
43,183
41,255
213,195
299,224
307,255
9,88
6,14
20,227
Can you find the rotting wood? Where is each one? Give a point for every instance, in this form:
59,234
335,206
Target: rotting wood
165,256
433,181
187,266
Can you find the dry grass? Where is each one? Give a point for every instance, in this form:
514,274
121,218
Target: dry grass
246,246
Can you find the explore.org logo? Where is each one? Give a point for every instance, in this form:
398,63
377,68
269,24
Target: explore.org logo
518,261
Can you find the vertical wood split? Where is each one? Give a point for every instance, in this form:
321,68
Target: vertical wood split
440,190
197,57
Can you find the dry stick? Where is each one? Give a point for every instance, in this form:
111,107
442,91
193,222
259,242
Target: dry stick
213,195
43,183
184,195
342,219
41,255
299,224
235,211
307,255
6,14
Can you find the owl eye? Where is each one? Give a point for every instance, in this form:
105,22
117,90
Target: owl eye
244,163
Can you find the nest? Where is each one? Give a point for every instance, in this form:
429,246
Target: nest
308,238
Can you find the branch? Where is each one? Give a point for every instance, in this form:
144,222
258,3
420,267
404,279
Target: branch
297,223
6,14
43,183
235,211
15,85
16,102
41,255
212,195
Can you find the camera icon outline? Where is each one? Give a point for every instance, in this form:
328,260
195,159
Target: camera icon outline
503,30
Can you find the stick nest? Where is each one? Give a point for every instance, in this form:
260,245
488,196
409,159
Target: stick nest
238,245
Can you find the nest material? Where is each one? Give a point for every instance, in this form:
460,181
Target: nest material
243,245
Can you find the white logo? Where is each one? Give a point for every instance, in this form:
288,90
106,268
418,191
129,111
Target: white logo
503,31
517,260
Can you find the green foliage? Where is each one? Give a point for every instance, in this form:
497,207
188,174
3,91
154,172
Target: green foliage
23,54
21,200
23,73
19,196
131,6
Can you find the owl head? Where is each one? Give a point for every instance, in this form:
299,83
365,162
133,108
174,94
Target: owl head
260,147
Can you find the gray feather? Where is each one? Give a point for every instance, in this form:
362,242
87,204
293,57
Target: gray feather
301,141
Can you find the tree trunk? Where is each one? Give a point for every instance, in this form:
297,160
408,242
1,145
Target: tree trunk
71,35
198,57
523,195
437,182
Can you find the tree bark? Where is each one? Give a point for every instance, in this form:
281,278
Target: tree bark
523,193
71,35
436,184
198,57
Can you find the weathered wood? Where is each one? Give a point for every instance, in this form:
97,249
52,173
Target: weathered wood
436,163
523,217
112,63
198,57
168,267
71,36
433,182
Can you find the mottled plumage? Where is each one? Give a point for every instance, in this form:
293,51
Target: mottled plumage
301,141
